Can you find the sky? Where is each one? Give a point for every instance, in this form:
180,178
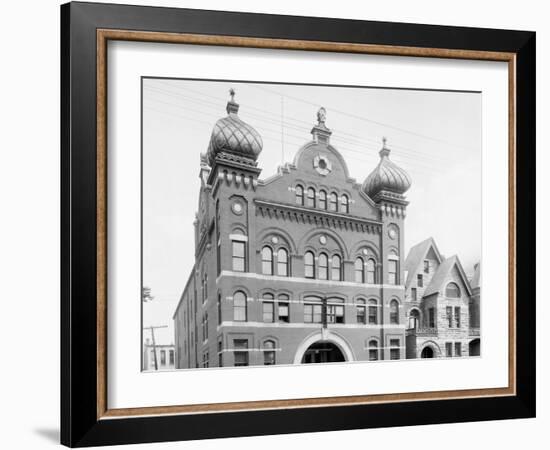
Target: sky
435,136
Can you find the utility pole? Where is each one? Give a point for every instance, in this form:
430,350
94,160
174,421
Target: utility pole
153,328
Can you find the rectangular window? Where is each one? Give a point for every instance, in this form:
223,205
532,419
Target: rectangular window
448,349
457,316
426,266
313,313
219,305
241,357
420,280
283,312
449,314
361,314
392,271
171,356
219,256
163,357
395,349
205,360
220,354
414,297
458,349
431,318
239,258
268,314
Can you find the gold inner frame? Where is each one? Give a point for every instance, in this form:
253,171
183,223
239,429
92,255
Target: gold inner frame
104,35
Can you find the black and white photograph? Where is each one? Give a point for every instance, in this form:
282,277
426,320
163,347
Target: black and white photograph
292,224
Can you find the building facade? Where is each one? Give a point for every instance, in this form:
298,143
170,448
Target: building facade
159,356
303,266
442,306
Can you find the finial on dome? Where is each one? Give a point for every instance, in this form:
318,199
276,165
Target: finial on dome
385,150
232,106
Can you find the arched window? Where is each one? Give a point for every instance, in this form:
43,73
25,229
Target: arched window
345,203
282,309
299,195
282,263
323,266
452,290
361,312
394,312
414,319
333,202
393,268
359,271
313,310
373,350
336,268
335,310
309,265
269,352
268,307
371,271
373,312
267,261
323,199
311,197
239,306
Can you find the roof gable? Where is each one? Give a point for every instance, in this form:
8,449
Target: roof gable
440,276
416,256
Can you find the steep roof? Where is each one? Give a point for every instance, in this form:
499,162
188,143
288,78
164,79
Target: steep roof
416,255
477,276
439,277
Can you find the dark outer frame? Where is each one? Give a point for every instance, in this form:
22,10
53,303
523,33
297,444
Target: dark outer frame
80,425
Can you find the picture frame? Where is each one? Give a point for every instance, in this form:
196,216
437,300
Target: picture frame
86,418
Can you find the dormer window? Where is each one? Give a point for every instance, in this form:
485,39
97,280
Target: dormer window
426,266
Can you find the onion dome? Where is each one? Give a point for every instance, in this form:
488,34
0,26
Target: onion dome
234,139
386,177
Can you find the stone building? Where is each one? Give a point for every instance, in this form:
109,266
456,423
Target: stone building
303,266
442,307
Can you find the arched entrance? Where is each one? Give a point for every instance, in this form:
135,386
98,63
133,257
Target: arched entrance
322,341
427,352
474,347
323,352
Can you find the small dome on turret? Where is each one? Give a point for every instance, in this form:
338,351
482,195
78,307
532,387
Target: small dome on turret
234,137
387,176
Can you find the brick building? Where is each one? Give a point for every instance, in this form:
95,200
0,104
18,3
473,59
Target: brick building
442,306
302,266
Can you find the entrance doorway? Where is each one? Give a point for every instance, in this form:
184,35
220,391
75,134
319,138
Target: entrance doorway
474,347
428,352
323,352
